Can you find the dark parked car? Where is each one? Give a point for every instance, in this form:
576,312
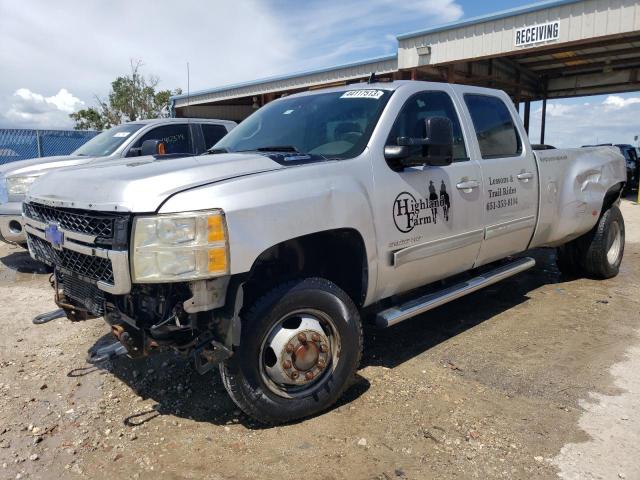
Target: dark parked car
631,159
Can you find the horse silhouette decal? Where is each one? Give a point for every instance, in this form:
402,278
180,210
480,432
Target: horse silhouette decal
409,212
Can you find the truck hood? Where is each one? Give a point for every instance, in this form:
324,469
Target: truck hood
141,184
37,166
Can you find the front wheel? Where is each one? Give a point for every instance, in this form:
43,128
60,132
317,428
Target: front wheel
300,347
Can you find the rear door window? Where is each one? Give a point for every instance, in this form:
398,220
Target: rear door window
496,132
212,134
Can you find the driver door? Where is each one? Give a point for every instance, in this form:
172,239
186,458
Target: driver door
428,219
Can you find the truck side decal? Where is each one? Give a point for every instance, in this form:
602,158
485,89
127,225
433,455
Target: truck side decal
409,212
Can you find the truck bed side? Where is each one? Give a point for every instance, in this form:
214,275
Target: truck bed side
573,185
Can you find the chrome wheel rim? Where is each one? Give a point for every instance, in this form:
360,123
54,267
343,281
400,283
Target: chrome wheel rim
614,242
299,353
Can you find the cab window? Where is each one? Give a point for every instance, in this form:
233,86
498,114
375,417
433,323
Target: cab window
212,134
411,120
496,132
176,138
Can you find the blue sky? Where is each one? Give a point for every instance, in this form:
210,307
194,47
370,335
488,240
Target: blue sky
57,56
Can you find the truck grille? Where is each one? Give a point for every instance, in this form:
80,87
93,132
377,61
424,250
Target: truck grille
101,226
89,246
95,269
83,293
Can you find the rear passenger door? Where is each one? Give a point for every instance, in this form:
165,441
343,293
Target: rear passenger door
510,180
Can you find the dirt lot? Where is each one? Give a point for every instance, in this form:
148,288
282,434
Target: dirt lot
515,381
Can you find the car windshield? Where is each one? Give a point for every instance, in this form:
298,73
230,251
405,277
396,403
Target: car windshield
108,141
335,125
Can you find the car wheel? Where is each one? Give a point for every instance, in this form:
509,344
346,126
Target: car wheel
299,349
603,247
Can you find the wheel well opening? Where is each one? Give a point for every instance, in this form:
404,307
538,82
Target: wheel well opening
612,196
337,255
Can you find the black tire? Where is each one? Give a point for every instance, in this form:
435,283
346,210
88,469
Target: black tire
242,374
588,255
597,244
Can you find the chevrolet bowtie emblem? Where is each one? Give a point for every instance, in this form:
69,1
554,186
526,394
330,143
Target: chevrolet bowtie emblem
53,234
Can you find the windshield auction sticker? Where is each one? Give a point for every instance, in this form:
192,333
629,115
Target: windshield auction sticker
375,94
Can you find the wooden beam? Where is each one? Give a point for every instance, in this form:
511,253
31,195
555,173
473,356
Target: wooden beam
581,57
585,68
522,69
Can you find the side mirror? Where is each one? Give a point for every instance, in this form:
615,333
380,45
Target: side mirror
153,147
440,135
437,145
396,152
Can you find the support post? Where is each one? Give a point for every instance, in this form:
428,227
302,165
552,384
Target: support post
39,144
543,123
544,119
527,114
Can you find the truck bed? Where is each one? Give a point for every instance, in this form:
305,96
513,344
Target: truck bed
572,184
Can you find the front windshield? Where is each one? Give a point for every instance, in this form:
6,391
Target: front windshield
333,125
108,141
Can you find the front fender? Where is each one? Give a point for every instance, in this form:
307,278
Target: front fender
269,208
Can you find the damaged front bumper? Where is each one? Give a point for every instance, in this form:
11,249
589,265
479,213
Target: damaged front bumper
194,319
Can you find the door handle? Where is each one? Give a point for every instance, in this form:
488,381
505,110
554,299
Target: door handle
468,185
526,176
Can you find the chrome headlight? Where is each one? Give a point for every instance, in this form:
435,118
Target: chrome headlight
179,247
19,185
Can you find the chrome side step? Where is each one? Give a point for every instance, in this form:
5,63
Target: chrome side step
399,313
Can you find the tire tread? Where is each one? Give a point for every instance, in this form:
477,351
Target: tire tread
245,400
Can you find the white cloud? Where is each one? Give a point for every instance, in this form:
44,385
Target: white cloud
557,110
335,29
33,110
573,122
616,102
84,45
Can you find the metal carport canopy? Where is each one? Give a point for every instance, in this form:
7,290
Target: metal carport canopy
551,49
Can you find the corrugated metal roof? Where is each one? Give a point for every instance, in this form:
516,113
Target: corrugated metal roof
278,78
490,17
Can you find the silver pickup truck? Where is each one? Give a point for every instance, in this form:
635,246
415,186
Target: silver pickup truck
181,135
262,256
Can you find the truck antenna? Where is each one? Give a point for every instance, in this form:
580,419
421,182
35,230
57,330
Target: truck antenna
372,78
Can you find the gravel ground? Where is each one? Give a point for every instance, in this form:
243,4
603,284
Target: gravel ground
537,376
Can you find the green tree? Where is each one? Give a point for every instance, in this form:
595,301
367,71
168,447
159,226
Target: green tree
132,97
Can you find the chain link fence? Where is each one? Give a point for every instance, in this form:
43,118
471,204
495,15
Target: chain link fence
19,144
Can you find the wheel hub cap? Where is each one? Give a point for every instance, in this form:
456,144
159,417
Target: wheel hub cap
298,354
614,242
